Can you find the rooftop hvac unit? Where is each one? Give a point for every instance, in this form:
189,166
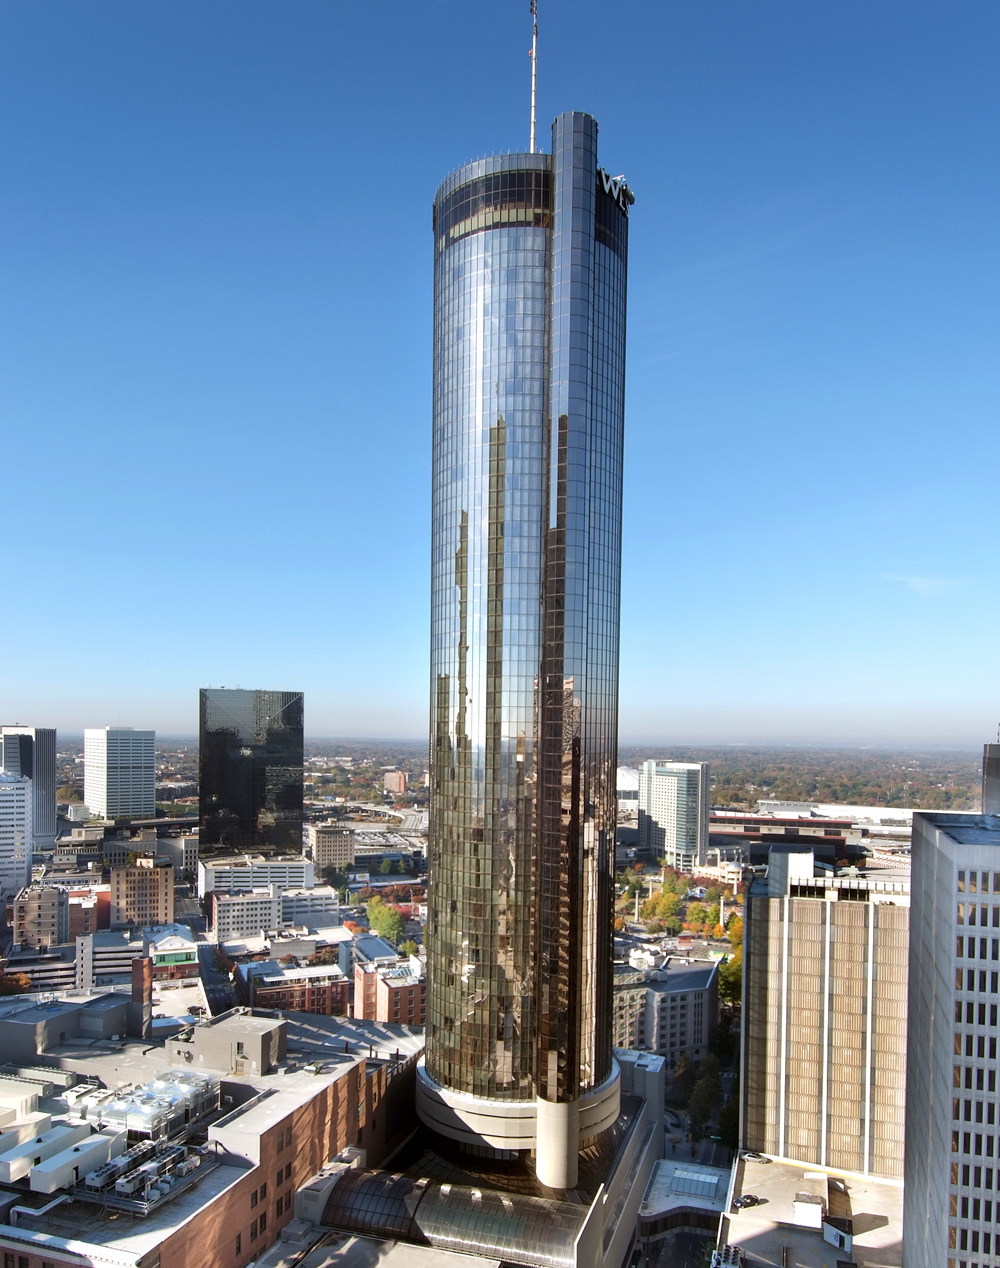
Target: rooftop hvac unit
130,1184
105,1176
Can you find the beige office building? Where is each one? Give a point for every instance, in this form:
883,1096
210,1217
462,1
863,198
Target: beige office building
330,845
825,980
142,894
40,916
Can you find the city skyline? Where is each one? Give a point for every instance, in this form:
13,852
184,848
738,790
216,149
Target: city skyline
808,344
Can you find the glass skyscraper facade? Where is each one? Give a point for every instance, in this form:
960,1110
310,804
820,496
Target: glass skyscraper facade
530,256
250,763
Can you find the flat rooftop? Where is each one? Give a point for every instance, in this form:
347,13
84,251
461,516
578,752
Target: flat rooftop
176,999
119,1238
311,1036
271,971
966,829
766,1231
675,1183
682,976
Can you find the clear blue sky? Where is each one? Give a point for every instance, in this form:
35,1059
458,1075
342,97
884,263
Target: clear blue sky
215,352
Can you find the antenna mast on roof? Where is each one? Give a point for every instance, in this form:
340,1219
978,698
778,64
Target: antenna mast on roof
534,67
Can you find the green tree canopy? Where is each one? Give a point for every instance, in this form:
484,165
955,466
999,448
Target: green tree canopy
709,1068
704,1099
386,921
731,979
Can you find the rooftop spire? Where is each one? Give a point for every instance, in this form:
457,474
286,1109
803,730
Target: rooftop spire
534,67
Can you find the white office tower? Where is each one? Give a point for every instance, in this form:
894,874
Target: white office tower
119,772
952,1155
15,833
30,752
673,812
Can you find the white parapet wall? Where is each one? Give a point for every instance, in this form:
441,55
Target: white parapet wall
507,1125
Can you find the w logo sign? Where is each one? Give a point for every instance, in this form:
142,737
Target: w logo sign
615,187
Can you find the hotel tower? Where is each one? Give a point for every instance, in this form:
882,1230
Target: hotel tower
530,256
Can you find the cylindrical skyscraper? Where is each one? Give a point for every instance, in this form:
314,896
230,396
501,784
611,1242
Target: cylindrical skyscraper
529,379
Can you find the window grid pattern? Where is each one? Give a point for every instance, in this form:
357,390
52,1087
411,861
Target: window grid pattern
490,403
826,997
975,1142
529,342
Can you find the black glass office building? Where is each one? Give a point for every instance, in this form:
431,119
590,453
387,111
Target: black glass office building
31,751
530,256
250,770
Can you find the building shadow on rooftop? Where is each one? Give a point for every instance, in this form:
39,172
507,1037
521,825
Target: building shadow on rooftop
865,1223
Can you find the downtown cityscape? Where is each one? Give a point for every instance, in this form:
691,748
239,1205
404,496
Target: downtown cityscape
611,963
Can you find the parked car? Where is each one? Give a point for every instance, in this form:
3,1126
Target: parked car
750,1156
748,1199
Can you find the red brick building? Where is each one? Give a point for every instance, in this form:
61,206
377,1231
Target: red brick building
89,910
391,992
268,984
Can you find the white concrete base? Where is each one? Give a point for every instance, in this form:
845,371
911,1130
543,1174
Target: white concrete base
557,1148
474,1120
515,1125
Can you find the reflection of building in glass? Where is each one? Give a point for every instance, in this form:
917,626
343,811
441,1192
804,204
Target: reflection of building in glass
250,769
825,1023
30,752
673,812
529,375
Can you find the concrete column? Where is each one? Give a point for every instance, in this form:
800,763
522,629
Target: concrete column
557,1143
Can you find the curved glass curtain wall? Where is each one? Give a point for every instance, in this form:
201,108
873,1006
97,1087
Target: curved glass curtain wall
491,310
529,325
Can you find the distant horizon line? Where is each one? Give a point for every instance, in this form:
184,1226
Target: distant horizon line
189,737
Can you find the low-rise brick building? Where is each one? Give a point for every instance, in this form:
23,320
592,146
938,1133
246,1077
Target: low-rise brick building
391,992
313,989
